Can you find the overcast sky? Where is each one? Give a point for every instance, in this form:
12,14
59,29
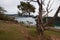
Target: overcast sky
11,6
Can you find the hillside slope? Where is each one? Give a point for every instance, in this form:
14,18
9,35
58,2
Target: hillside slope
12,31
15,31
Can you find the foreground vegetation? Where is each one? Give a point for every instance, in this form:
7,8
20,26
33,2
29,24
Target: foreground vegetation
11,31
15,31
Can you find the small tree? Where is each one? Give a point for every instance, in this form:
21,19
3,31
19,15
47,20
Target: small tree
26,7
2,11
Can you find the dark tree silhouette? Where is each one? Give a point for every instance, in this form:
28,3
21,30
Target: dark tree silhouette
26,8
2,11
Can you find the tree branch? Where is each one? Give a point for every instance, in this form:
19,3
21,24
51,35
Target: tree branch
38,2
50,5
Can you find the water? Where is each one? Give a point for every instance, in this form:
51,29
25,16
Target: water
26,20
57,27
29,20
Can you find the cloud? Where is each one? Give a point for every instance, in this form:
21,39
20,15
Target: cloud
10,5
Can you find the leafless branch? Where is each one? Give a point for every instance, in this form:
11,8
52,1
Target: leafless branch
50,10
38,2
50,5
34,1
43,2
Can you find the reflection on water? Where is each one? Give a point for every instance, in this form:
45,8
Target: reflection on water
57,27
26,20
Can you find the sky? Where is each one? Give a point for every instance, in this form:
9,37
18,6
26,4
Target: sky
11,6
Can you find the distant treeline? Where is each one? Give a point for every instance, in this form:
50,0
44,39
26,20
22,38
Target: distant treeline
6,17
3,16
16,15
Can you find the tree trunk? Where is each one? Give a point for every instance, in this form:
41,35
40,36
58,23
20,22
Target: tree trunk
29,14
40,28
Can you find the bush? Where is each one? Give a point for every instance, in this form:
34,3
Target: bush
6,18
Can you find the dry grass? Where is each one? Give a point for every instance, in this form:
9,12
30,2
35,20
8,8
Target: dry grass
15,31
12,31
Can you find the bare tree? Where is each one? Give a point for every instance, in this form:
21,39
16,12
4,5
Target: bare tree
48,9
40,25
39,21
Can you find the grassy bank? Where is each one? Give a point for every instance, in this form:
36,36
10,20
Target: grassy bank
50,32
13,31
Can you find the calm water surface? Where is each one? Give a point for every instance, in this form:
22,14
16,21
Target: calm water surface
26,20
29,20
